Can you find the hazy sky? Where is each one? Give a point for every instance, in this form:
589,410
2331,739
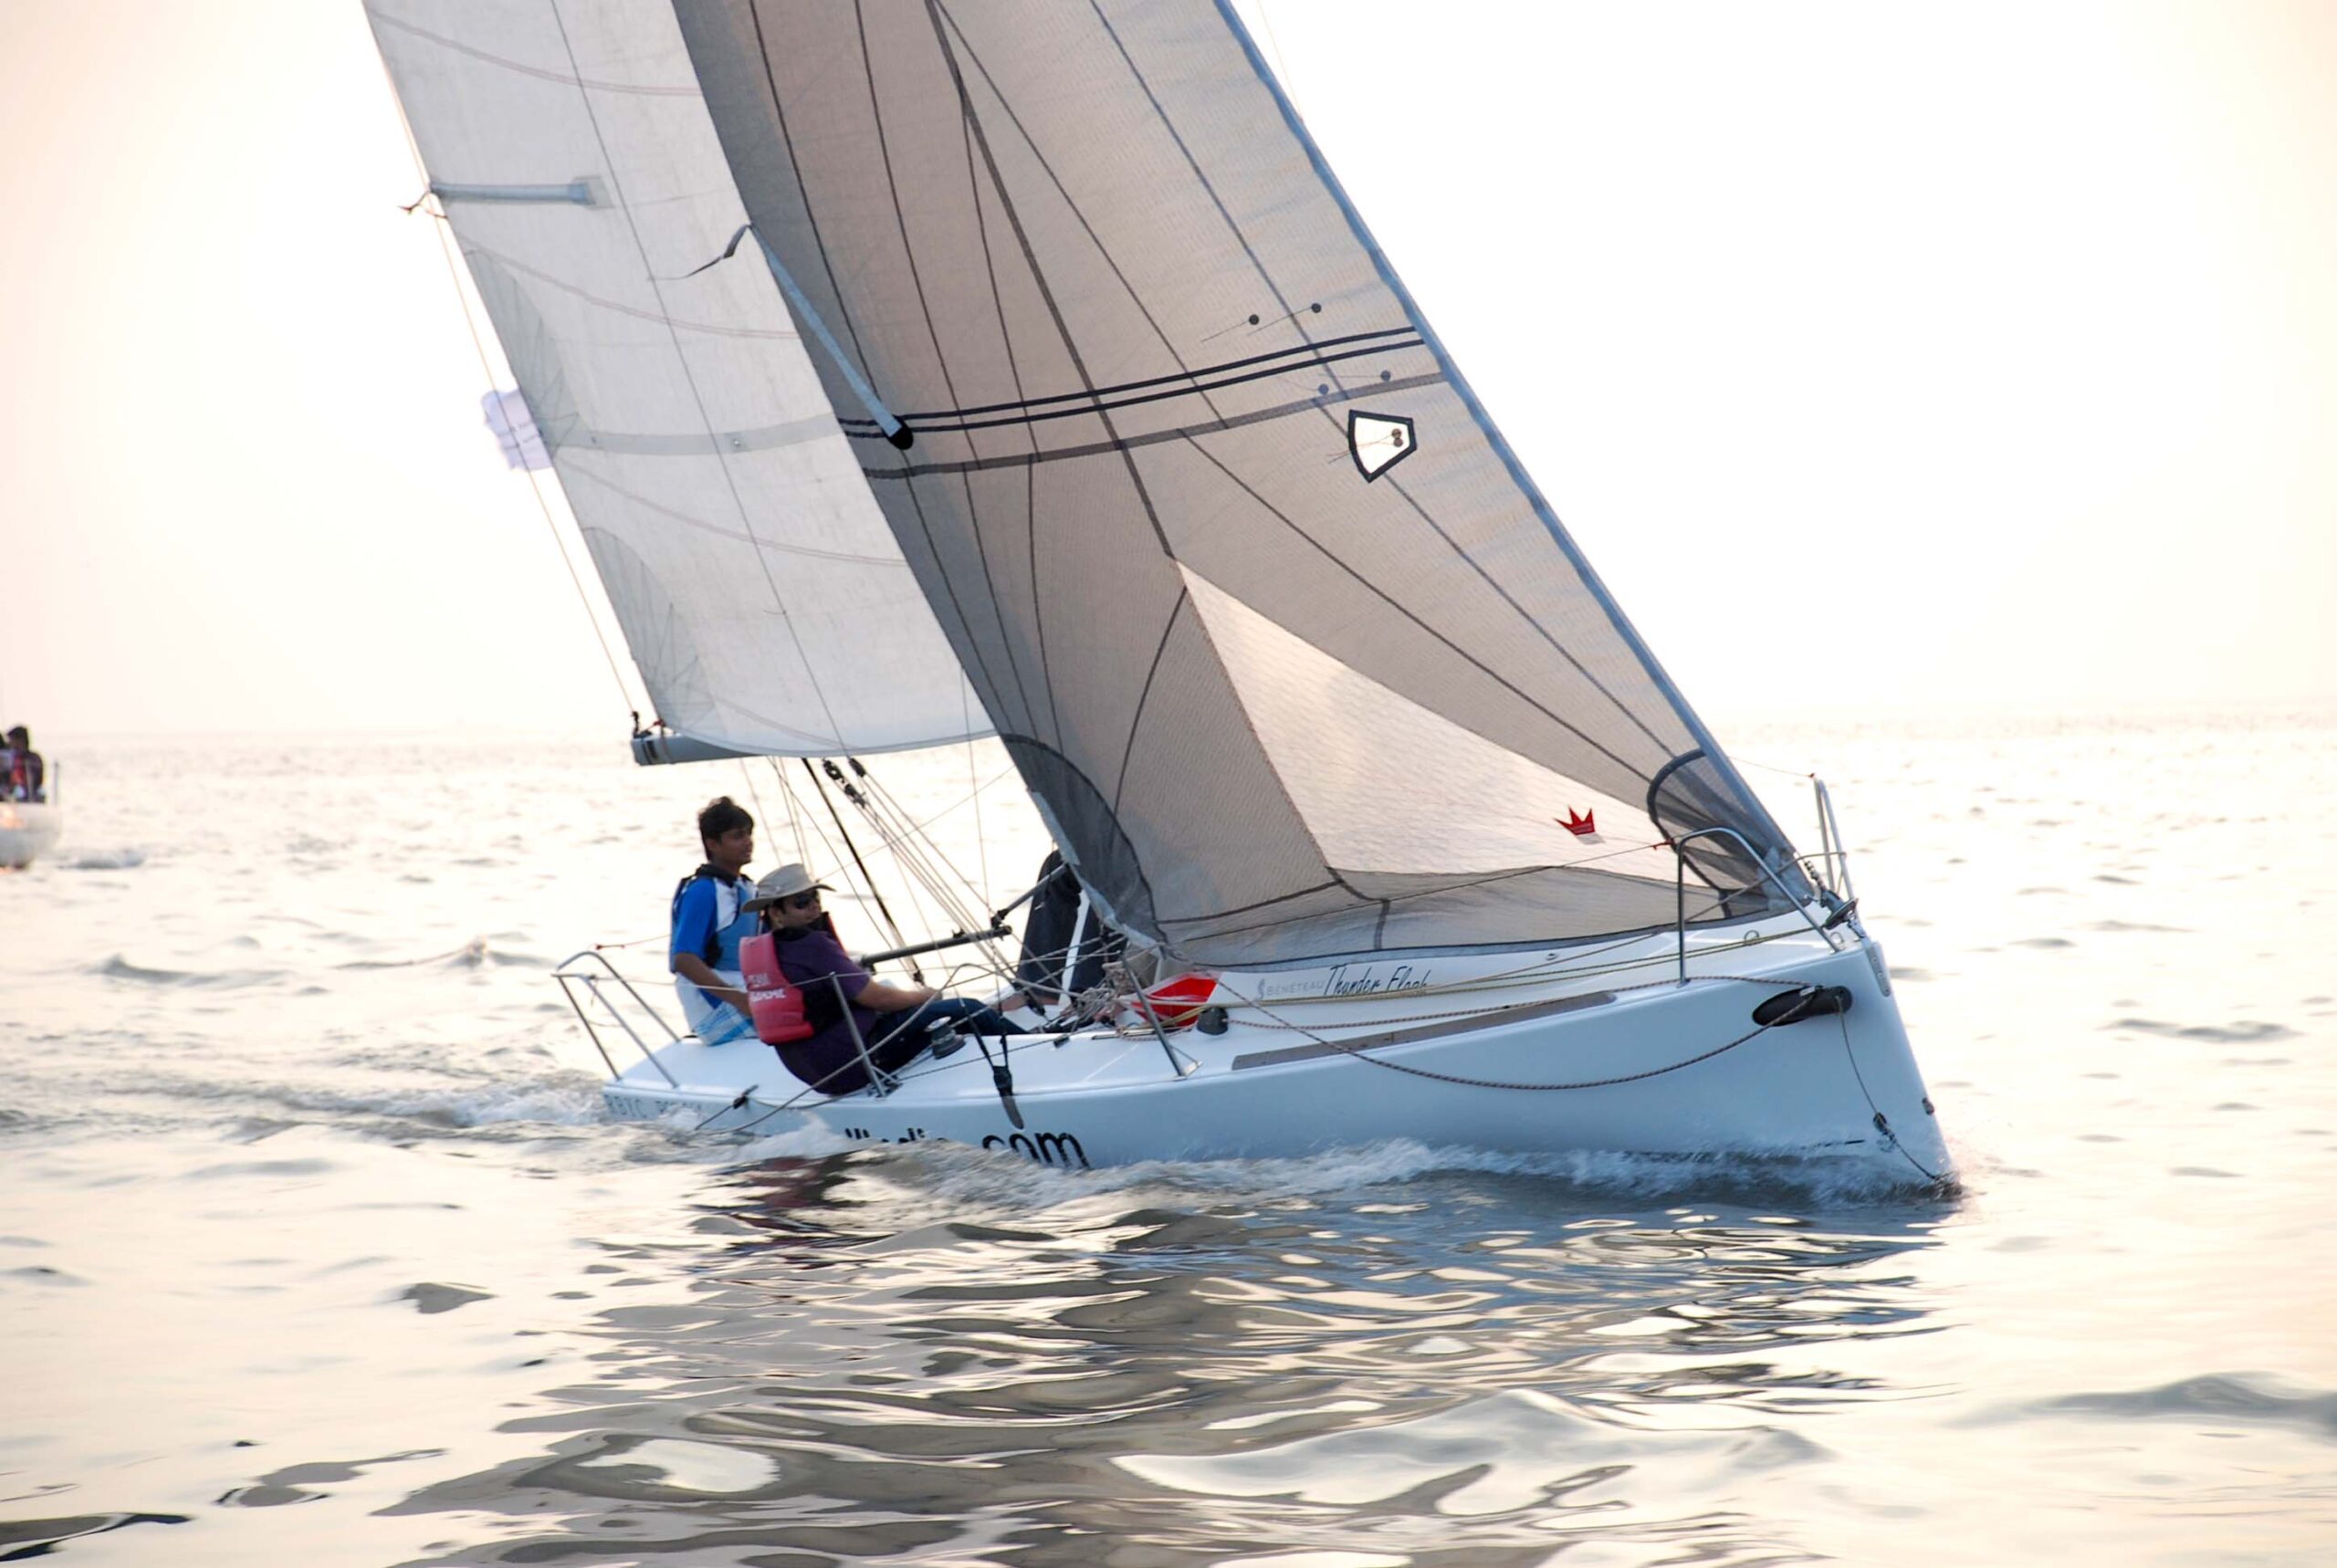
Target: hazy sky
1879,356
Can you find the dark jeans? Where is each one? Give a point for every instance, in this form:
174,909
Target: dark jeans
830,1064
898,1037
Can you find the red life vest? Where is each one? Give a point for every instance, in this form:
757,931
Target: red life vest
776,1006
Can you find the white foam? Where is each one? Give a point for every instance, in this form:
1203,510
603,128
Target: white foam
561,1104
104,860
986,1179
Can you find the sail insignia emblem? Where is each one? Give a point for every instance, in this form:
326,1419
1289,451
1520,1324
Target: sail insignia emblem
1583,825
1378,441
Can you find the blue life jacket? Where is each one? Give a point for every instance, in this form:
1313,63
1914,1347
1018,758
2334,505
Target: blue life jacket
722,941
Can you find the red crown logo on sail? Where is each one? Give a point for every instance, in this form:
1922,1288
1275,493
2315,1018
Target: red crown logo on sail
1583,826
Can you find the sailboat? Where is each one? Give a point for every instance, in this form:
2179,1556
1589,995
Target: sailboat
32,816
922,369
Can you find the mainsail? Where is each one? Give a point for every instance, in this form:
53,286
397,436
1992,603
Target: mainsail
761,592
1284,644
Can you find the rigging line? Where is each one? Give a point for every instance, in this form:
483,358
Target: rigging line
874,892
1281,67
1882,1122
1772,767
797,816
1194,165
1431,632
462,302
927,868
1360,1050
981,844
794,827
863,888
752,793
940,13
689,377
912,846
932,864
1249,362
970,796
908,857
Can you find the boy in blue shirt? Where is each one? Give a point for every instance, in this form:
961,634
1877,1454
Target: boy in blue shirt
710,919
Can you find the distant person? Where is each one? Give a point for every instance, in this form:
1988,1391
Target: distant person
841,997
709,920
28,775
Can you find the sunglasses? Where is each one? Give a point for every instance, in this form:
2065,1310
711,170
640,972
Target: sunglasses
801,900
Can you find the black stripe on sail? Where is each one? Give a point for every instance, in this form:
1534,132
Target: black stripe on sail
868,432
1294,352
1126,443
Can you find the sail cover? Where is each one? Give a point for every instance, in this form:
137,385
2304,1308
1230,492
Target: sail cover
1286,644
761,592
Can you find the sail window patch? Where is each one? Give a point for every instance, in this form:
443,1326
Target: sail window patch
1378,441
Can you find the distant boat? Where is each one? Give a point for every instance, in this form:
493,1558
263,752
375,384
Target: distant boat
28,829
917,370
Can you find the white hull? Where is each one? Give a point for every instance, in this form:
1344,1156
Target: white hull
1265,1088
28,831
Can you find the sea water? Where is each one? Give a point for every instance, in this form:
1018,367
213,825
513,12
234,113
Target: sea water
317,1248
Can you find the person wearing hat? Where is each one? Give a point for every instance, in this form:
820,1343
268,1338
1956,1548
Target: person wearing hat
842,1001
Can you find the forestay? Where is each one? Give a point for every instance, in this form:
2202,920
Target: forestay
761,592
1282,638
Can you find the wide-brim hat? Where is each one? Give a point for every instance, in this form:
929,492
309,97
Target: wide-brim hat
785,882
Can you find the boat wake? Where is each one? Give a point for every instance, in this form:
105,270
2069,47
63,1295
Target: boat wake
982,1178
120,967
475,953
104,860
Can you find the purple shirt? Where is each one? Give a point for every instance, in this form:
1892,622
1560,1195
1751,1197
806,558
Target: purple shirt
816,963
